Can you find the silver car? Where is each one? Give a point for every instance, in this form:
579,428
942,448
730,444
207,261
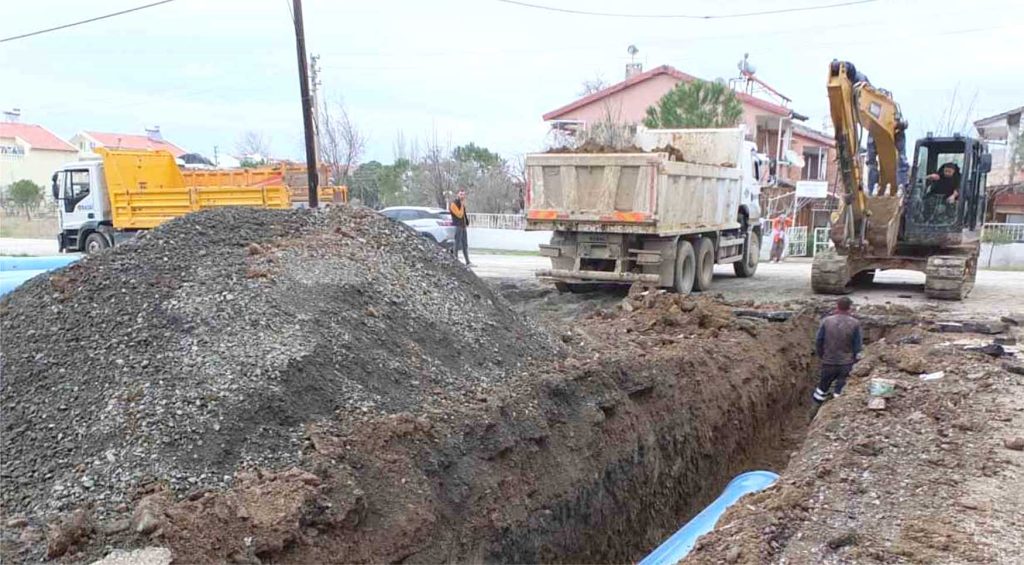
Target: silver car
432,223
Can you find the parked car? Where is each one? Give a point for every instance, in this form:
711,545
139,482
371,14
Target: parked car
433,223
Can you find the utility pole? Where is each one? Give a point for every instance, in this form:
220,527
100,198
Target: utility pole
216,158
307,109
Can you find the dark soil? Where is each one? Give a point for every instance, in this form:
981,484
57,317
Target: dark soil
209,345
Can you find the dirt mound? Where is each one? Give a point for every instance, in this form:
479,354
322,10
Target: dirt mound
591,146
208,344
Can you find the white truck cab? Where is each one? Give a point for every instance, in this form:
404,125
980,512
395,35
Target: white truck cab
83,206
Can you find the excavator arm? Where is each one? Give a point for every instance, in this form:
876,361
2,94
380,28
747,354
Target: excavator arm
856,103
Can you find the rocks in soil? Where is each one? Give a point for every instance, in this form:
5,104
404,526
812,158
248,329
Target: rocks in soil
1014,443
161,361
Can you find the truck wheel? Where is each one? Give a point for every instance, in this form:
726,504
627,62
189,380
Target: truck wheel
95,243
705,264
747,266
686,267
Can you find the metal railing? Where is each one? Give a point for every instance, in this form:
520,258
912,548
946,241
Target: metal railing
822,241
796,241
1011,232
498,221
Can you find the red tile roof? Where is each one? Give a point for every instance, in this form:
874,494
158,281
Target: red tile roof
37,137
128,141
662,70
814,135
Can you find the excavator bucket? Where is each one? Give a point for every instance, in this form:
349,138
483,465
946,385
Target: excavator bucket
883,224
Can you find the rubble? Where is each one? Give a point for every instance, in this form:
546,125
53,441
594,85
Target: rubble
161,362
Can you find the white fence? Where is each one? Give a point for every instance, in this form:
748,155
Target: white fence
1004,232
498,221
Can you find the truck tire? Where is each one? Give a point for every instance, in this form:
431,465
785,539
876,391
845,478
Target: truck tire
686,267
747,266
95,243
705,264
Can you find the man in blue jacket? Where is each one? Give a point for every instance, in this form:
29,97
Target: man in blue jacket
838,346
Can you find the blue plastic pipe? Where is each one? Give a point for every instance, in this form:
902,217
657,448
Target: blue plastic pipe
35,263
675,548
16,270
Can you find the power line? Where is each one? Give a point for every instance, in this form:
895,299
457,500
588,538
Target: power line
90,20
684,16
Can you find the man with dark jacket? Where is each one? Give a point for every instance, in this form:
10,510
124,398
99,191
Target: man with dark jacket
838,346
460,217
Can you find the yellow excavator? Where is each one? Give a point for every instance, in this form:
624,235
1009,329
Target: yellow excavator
928,221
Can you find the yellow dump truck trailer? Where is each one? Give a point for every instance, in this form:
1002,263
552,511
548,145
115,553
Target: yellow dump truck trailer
294,177
104,201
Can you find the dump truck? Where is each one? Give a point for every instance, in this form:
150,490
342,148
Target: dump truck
294,177
663,212
104,201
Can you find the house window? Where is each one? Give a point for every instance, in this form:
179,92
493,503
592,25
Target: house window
814,164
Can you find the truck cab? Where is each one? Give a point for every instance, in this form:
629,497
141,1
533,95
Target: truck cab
83,207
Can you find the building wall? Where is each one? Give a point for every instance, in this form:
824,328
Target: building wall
36,165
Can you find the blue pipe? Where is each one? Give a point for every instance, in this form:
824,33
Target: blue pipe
675,548
16,270
36,263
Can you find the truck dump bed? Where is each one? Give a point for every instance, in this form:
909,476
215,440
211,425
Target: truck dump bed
146,188
683,181
290,176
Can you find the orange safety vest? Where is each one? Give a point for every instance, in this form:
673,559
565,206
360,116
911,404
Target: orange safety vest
457,210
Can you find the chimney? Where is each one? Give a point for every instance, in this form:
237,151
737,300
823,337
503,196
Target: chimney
153,133
12,115
634,69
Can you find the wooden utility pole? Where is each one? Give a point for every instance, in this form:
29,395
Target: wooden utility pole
307,106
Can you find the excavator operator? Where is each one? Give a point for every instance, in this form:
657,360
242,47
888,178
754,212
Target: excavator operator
943,192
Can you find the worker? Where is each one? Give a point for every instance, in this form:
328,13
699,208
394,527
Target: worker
779,226
902,166
943,192
838,345
460,217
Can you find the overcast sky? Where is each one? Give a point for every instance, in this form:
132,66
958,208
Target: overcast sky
480,70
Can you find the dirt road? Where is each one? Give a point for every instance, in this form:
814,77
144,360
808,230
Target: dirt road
996,292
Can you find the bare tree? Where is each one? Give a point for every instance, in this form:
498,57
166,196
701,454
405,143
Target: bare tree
339,142
593,85
252,143
956,117
439,170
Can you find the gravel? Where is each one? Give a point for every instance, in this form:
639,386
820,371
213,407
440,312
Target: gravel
206,345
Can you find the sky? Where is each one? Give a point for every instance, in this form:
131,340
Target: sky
479,71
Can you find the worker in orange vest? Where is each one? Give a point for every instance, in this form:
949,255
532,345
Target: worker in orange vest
460,217
780,224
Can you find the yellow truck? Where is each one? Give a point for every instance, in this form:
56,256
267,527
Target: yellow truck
107,200
294,177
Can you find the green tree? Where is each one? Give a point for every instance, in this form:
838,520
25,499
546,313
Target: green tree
696,104
481,156
366,183
392,182
27,195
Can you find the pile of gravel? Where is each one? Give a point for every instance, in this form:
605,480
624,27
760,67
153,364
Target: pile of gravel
206,345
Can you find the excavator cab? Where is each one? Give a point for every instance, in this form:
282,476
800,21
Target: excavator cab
931,217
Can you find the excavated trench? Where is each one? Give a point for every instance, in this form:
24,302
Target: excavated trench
596,458
691,423
601,460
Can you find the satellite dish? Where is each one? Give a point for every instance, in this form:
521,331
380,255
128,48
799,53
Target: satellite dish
632,50
745,66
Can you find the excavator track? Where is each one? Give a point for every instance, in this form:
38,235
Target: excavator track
950,277
830,274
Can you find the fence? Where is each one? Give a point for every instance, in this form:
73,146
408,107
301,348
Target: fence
822,241
1004,232
498,221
